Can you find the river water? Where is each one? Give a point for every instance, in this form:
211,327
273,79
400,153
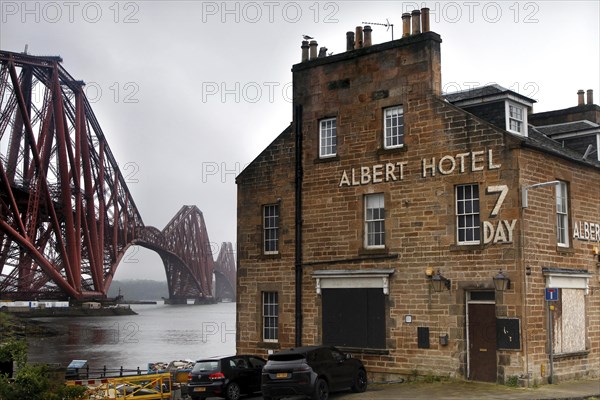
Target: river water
159,333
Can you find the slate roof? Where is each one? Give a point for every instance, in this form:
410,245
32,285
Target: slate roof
482,92
568,127
538,137
538,140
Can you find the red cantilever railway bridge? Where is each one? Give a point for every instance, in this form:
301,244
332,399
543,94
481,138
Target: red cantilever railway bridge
66,214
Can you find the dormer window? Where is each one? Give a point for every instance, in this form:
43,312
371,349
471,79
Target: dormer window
516,118
497,105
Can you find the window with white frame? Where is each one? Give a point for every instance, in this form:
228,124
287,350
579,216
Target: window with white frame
393,127
516,118
270,305
374,221
468,229
328,138
271,229
562,215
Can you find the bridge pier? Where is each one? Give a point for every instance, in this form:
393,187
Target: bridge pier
190,300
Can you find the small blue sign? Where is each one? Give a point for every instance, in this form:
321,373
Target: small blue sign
551,294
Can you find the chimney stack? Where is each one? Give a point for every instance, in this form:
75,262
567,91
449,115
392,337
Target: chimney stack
416,22
349,41
580,93
590,96
425,19
367,36
313,49
358,39
304,50
405,24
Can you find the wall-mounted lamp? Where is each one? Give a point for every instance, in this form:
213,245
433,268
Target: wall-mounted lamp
596,251
429,272
501,282
438,281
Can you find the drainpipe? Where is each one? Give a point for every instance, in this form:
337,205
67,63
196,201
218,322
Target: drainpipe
298,226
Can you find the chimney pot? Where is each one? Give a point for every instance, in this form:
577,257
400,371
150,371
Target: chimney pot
304,50
349,41
416,22
358,39
367,36
425,19
313,49
405,24
580,101
590,96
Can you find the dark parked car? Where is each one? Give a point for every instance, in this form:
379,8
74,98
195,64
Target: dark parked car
312,371
227,377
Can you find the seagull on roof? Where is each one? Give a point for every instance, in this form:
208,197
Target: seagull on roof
306,37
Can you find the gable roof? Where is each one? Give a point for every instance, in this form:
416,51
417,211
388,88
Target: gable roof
285,134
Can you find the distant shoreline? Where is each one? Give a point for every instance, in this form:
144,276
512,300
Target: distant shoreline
71,312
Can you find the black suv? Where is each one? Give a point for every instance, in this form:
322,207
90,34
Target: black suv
226,377
312,371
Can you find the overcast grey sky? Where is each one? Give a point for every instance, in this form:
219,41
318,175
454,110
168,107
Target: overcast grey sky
188,93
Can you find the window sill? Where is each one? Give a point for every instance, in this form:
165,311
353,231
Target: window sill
560,356
320,160
269,345
370,252
565,250
269,256
524,134
466,247
393,150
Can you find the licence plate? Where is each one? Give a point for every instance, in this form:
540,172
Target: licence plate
199,389
281,375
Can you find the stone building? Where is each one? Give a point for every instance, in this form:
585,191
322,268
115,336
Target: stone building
452,235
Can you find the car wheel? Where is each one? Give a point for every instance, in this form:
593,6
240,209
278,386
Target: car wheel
233,391
321,390
360,381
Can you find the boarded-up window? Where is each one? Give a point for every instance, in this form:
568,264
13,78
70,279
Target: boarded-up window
569,321
354,317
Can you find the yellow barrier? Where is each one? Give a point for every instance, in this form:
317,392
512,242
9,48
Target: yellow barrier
140,387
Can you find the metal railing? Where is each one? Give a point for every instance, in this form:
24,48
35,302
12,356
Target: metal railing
140,387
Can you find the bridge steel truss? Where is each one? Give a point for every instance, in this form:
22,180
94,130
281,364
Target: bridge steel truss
67,216
225,268
185,250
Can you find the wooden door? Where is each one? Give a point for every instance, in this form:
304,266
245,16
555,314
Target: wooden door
482,342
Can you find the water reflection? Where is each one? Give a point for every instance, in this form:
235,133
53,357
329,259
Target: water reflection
158,333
